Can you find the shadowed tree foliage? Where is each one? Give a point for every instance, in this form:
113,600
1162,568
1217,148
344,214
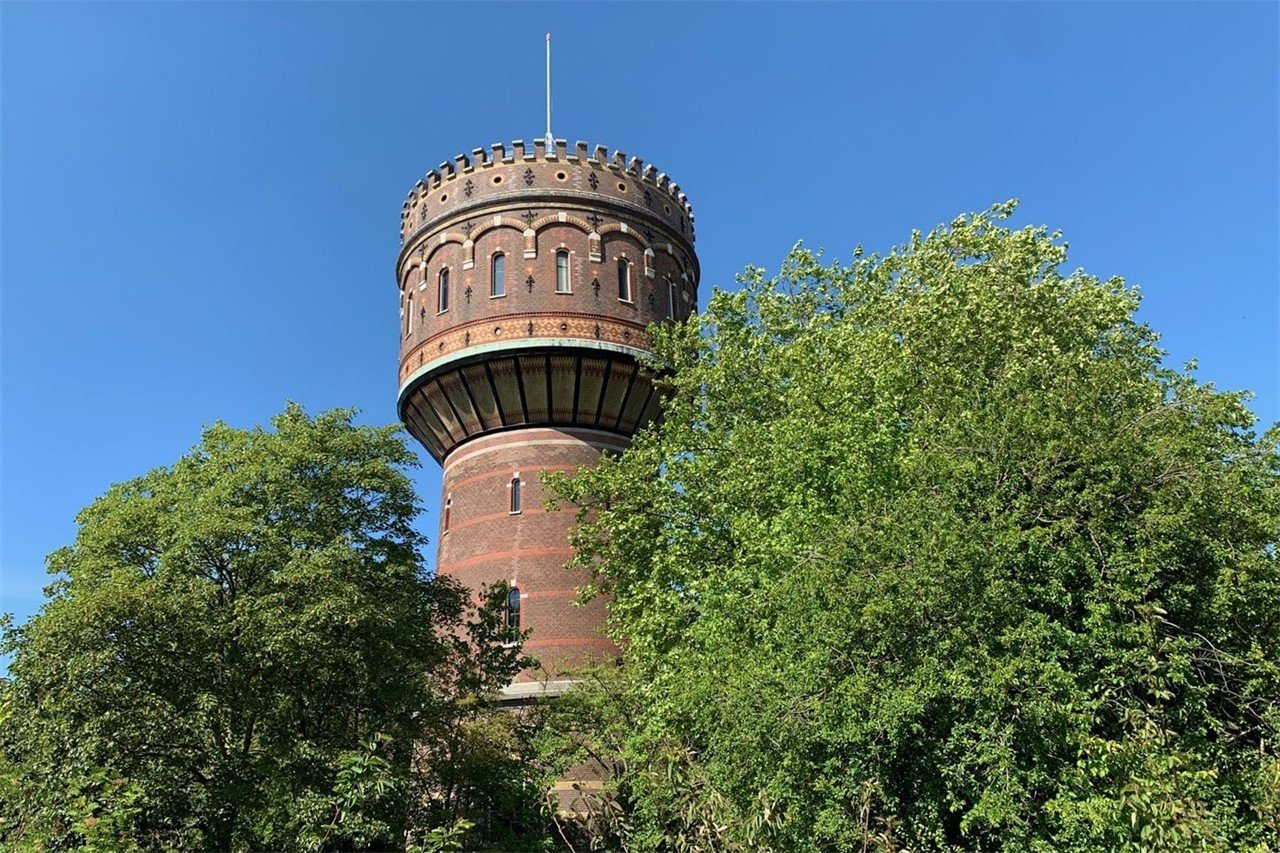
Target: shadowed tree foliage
243,651
933,552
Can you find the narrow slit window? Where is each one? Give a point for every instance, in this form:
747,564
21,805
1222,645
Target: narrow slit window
408,316
624,279
498,275
443,303
448,507
511,616
515,495
562,272
671,299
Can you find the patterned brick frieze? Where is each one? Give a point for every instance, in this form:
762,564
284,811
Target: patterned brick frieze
515,327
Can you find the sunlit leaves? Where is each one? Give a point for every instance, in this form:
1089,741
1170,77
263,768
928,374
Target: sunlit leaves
942,523
243,651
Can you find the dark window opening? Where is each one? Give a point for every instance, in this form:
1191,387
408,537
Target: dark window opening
624,280
498,275
511,614
562,272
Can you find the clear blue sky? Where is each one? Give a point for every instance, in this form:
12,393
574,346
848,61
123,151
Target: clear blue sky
200,202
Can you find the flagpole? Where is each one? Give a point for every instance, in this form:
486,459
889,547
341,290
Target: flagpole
550,140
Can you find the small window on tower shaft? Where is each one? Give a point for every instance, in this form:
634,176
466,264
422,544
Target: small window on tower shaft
671,299
408,317
498,276
624,280
563,285
443,303
448,507
515,495
511,616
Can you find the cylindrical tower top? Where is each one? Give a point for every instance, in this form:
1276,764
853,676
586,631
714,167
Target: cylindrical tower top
528,276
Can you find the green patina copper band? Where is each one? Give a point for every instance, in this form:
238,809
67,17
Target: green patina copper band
513,346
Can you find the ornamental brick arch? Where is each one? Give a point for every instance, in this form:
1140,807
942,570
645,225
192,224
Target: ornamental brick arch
560,218
423,250
436,244
492,223
492,241
610,227
412,276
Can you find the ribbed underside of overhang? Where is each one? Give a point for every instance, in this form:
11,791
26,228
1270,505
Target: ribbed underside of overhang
465,399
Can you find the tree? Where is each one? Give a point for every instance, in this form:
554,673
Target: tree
243,651
932,550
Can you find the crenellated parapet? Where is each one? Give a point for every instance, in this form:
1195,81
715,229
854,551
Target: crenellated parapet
533,171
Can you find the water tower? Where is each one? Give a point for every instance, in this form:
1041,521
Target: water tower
528,276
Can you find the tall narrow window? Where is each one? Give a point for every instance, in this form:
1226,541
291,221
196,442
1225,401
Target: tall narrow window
448,507
408,316
443,303
515,495
671,299
562,272
511,618
498,275
624,280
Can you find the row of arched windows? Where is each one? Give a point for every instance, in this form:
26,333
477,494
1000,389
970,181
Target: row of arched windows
564,284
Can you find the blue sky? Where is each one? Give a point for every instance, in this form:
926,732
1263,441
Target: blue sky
200,202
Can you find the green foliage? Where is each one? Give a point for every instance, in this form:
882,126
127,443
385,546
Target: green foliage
659,796
443,838
932,552
473,781
243,651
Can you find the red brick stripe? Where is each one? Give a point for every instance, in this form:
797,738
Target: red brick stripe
497,556
596,642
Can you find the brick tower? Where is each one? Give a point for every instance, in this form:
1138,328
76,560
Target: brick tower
527,277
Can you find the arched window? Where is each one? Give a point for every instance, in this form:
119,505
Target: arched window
563,285
515,494
408,316
671,299
498,275
511,614
624,279
448,507
442,304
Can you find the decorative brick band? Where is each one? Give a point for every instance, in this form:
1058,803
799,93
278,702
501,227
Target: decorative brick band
509,327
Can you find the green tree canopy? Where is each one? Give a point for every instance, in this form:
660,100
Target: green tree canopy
933,550
241,651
